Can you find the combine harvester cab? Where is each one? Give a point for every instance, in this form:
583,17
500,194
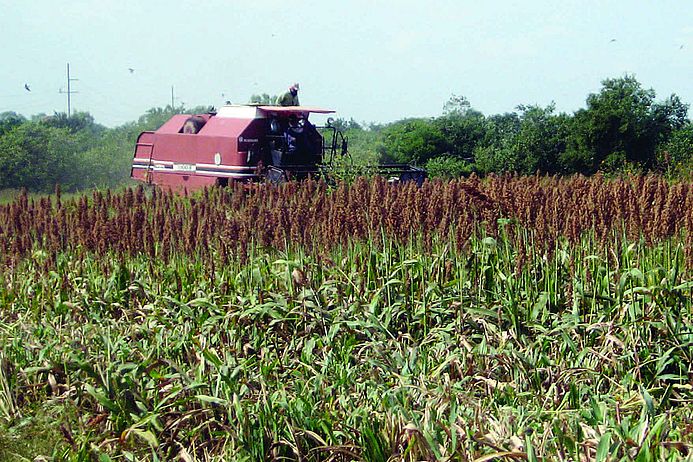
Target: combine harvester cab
246,144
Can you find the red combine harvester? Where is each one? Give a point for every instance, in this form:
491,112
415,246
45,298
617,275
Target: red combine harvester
244,143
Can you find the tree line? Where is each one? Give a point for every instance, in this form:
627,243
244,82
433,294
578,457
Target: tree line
76,152
623,128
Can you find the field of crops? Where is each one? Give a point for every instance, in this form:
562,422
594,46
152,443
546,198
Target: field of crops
510,318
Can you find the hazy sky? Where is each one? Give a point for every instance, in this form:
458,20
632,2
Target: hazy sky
371,60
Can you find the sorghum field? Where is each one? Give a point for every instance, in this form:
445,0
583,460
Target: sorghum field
510,318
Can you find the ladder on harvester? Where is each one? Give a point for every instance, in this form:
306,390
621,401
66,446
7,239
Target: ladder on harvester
141,147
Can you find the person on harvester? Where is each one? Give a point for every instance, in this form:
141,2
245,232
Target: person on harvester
290,98
296,140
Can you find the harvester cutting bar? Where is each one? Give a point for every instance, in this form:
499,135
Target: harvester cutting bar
397,173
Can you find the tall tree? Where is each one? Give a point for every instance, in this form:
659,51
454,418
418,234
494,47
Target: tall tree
413,141
540,140
621,124
461,126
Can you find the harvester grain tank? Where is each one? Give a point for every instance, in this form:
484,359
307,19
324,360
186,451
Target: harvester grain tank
244,143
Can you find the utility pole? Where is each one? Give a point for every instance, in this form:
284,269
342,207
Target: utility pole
172,98
69,91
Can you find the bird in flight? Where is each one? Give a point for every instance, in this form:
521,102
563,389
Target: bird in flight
612,40
26,87
681,47
132,71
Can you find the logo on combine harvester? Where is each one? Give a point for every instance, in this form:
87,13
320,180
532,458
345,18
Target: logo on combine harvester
247,140
184,167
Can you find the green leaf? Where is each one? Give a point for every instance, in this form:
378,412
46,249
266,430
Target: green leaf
603,448
212,357
685,286
102,399
212,400
489,242
145,435
201,303
531,456
649,403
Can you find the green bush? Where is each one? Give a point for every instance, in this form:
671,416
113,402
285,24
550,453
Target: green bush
677,154
448,167
37,157
413,141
